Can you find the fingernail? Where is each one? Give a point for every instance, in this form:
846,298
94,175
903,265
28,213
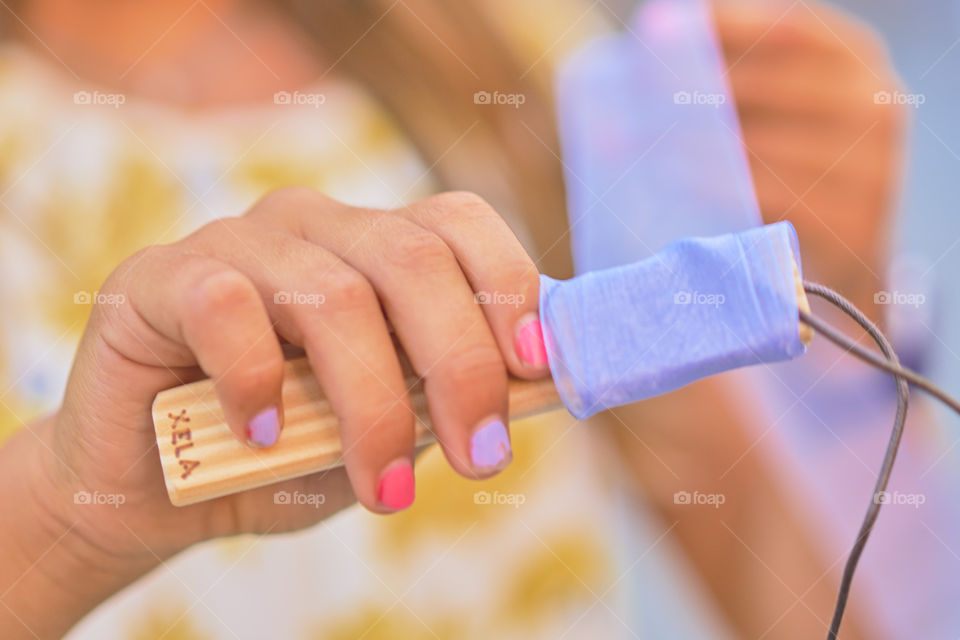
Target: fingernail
263,430
490,447
396,486
529,341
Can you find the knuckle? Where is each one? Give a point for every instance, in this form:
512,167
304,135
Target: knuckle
463,204
255,378
119,320
873,48
392,410
463,200
862,39
119,284
863,46
520,277
347,290
290,201
412,248
126,270
221,291
889,115
475,365
294,194
218,230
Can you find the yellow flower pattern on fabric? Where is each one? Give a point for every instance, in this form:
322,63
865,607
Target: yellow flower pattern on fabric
447,500
140,207
168,621
162,174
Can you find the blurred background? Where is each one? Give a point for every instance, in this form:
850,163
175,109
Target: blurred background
722,510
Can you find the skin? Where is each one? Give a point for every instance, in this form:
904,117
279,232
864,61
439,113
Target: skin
795,136
205,305
824,156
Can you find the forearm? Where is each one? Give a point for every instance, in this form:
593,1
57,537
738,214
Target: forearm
52,569
753,551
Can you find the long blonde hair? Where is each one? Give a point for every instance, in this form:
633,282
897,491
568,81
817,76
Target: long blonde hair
425,60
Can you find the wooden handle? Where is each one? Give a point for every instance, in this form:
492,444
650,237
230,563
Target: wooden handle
202,459
806,331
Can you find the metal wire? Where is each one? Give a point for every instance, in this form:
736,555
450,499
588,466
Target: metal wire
890,364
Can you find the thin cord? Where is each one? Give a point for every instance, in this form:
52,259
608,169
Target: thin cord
892,365
886,365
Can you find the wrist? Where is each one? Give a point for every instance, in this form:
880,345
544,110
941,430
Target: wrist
56,566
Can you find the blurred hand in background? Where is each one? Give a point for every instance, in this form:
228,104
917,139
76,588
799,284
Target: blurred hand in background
812,88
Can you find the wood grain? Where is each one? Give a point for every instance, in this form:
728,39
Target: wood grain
202,459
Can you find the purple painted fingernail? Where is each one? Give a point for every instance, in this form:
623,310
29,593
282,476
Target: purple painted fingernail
490,447
263,430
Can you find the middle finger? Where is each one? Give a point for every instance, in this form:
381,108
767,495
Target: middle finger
432,308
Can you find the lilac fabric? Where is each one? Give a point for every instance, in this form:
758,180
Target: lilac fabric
652,154
697,307
651,141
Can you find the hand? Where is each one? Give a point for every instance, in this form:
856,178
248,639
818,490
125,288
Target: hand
823,155
332,279
825,146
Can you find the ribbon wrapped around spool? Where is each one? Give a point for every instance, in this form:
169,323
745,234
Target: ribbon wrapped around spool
697,307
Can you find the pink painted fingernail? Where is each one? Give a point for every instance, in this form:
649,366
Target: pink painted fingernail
490,447
396,486
529,341
263,430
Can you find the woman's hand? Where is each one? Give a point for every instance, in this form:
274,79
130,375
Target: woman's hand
337,281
